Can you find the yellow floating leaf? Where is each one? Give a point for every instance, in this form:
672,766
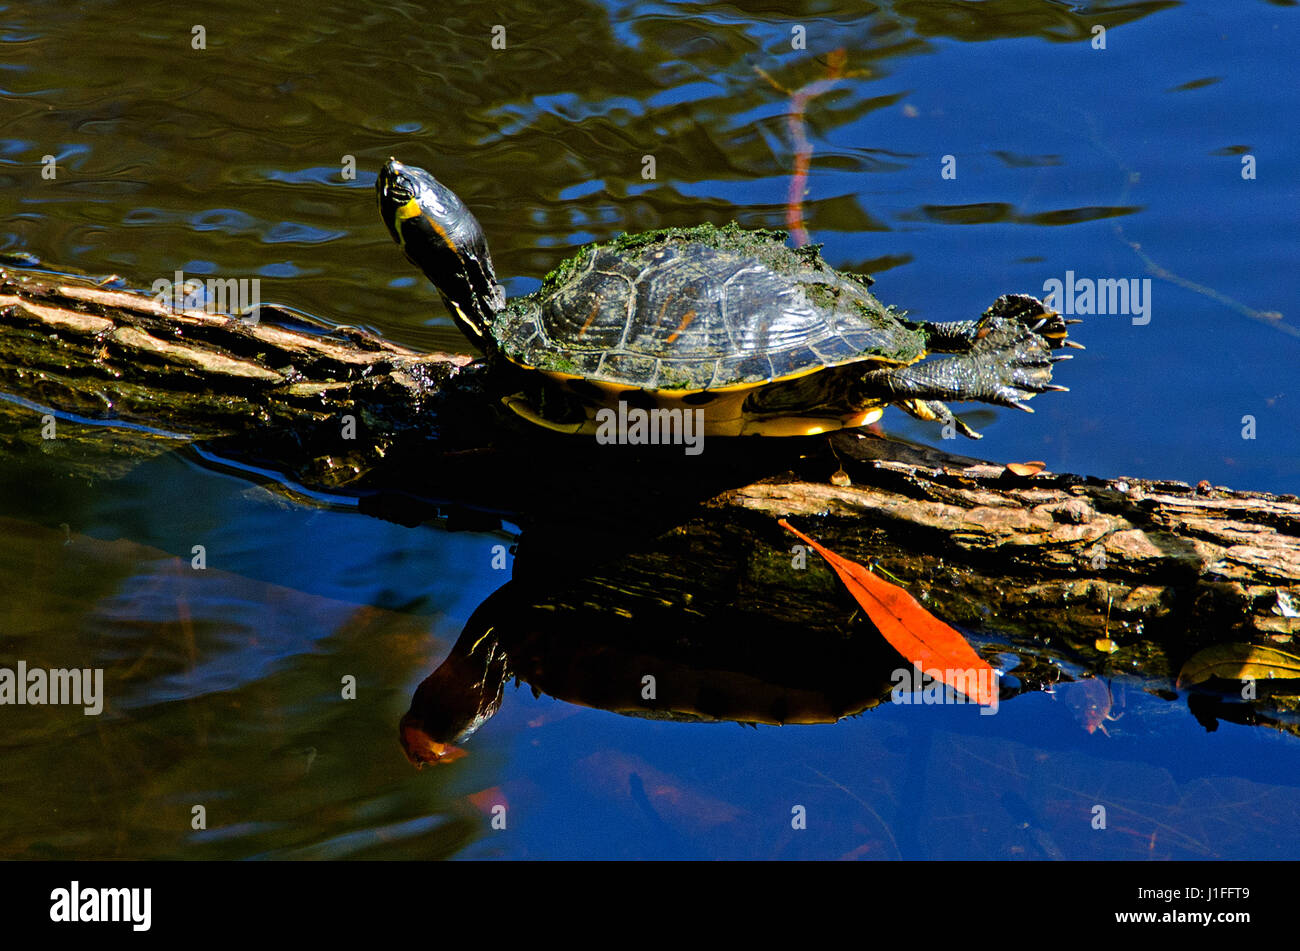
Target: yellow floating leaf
1106,645
1238,662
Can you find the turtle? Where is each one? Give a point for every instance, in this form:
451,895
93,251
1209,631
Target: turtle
762,338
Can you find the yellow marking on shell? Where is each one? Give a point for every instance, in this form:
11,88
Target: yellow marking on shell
595,309
864,419
806,426
664,393
663,309
614,390
686,320
723,417
727,408
787,426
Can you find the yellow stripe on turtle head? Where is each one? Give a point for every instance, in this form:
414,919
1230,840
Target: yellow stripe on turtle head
460,312
405,212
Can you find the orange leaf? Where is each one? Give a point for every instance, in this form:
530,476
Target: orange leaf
485,800
933,646
1026,468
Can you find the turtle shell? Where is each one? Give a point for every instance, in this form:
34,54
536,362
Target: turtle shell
700,308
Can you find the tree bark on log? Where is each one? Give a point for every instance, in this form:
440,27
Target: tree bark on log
342,410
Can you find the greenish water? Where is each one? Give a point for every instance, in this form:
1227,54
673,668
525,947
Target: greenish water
234,161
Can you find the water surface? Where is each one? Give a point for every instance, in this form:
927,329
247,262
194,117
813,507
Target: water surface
224,688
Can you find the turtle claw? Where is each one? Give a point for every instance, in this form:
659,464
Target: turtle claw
1037,317
1073,344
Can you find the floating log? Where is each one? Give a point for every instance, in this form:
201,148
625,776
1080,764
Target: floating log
1161,568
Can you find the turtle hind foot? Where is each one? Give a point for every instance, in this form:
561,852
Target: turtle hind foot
937,411
540,412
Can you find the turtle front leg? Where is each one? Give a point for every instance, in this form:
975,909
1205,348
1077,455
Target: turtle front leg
959,336
1005,364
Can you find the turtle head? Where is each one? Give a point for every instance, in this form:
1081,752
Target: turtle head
444,240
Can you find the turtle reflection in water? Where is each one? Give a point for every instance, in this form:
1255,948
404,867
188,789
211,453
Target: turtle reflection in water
751,336
726,667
